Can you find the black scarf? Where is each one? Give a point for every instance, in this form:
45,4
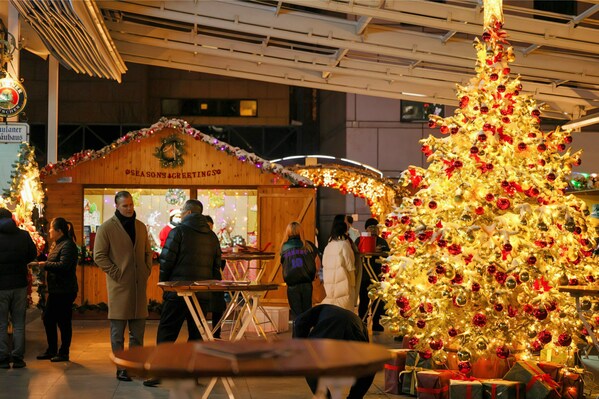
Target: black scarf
128,224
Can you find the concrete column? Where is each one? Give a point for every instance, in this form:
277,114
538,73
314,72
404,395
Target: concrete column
52,109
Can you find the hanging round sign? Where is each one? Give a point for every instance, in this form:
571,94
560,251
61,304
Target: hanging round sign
12,97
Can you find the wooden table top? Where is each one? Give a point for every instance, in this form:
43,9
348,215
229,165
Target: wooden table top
215,286
374,254
285,358
580,290
248,255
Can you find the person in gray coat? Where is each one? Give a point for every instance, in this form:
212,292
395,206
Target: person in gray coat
122,250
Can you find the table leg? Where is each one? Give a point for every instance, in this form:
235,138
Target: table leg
198,316
243,320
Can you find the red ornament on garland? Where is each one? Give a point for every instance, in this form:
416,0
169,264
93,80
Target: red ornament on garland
564,339
479,320
545,336
503,203
502,352
465,367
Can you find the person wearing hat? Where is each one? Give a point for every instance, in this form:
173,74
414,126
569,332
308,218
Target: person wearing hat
174,220
372,226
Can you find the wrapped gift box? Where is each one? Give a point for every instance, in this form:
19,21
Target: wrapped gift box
502,389
392,370
414,364
278,315
563,356
551,368
434,384
463,389
572,385
539,384
491,367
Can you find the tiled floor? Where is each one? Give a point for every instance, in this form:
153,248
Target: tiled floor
90,374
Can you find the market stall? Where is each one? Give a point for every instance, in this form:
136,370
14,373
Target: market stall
250,199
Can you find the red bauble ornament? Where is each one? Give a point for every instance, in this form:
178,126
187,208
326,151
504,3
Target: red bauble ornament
402,302
507,247
573,281
531,260
440,269
532,135
484,109
503,203
432,279
458,164
561,147
411,251
501,89
489,166
536,112
522,146
536,346
502,352
498,307
491,269
412,342
545,336
442,243
384,269
409,236
465,367
444,129
452,332
479,210
489,197
458,279
417,201
568,139
540,314
454,130
505,119
551,177
528,308
475,287
506,71
436,344
474,150
542,147
427,354
421,323
564,339
486,36
432,205
454,249
482,137
479,320
493,77
500,277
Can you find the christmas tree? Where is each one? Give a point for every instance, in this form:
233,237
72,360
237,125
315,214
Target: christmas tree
477,253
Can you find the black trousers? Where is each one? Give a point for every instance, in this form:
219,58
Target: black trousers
174,312
299,297
59,313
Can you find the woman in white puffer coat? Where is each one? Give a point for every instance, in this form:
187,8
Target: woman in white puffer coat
339,269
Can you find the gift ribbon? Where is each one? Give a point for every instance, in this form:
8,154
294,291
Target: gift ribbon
433,391
391,367
413,382
543,378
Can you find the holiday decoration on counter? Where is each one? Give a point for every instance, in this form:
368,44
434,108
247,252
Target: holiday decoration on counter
582,181
379,193
183,127
477,253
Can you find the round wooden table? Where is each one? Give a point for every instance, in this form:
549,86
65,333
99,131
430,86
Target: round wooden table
328,360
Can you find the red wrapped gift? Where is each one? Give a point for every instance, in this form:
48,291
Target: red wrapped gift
491,367
572,385
433,384
392,370
551,368
465,389
539,384
414,364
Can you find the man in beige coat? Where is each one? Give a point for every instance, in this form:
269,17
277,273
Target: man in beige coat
122,250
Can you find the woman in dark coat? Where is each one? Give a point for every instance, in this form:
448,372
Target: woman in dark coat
62,289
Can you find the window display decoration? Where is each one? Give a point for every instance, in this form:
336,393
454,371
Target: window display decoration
175,196
380,194
583,181
171,152
216,201
183,127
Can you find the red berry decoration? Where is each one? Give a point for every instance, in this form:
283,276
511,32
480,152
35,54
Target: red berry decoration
564,339
528,308
522,146
501,89
405,220
531,260
454,130
432,279
444,130
442,243
498,307
551,176
561,147
454,249
502,352
402,302
489,197
412,342
440,269
542,147
536,346
506,71
474,150
536,112
494,77
479,210
417,201
482,137
491,269
484,109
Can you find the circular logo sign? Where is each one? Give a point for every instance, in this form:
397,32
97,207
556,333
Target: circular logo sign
12,97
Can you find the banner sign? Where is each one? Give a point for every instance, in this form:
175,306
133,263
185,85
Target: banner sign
14,132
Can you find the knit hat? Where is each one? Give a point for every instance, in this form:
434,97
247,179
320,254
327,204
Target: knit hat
371,222
174,212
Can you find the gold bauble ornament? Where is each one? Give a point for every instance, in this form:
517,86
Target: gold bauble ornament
449,272
524,276
563,315
532,333
446,293
464,355
511,282
542,226
563,280
503,326
585,304
461,299
440,358
481,345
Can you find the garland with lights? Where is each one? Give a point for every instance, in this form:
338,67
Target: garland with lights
380,194
583,181
184,128
478,251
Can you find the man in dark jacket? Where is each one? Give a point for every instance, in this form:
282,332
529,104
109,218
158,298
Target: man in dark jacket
16,251
191,253
334,322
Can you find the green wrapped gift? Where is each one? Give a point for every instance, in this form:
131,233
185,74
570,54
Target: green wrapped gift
538,384
501,389
465,389
562,356
414,364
